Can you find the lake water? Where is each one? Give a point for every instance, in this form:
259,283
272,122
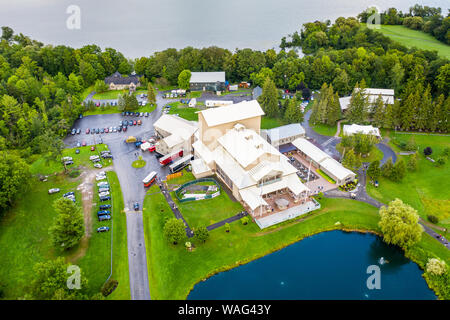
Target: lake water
140,27
330,265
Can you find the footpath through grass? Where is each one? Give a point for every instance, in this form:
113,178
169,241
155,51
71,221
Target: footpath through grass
413,38
426,189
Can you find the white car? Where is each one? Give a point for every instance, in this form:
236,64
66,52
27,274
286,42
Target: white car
103,183
103,194
98,165
53,190
98,178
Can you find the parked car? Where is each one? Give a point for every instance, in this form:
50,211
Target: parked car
102,212
124,129
97,131
104,194
102,229
105,206
106,198
84,143
98,165
53,190
78,131
146,114
103,183
119,129
92,130
134,122
73,131
115,129
102,130
141,114
67,163
92,148
139,122
136,206
71,193
87,131
77,151
103,218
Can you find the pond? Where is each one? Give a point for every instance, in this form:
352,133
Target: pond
330,265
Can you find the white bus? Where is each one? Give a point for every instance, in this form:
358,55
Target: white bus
149,179
180,164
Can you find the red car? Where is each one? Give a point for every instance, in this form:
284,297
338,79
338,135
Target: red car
92,148
124,129
106,130
84,143
88,130
134,122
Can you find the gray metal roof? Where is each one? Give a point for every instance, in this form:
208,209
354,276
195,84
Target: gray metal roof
207,77
286,131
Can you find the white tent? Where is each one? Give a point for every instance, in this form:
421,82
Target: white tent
356,128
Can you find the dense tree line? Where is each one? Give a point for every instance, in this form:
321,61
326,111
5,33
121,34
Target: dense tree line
423,18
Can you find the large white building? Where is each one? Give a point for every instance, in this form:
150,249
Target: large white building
174,133
229,145
284,134
372,94
324,162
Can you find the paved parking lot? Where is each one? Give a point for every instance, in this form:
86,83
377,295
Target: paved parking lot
130,181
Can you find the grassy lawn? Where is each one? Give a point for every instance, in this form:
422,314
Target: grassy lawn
414,38
24,238
138,164
200,213
110,94
113,109
86,92
425,189
82,159
188,113
186,177
324,129
269,123
173,271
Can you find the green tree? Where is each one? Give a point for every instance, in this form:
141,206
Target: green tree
151,95
14,177
50,280
293,114
399,170
351,160
412,162
201,233
358,110
399,224
269,98
374,170
100,86
387,168
174,230
68,227
184,78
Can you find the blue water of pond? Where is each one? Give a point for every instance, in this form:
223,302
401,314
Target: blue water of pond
329,265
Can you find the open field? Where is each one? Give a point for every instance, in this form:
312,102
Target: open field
426,189
82,159
208,211
113,109
24,238
414,38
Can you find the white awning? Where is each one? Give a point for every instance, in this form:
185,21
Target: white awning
251,199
